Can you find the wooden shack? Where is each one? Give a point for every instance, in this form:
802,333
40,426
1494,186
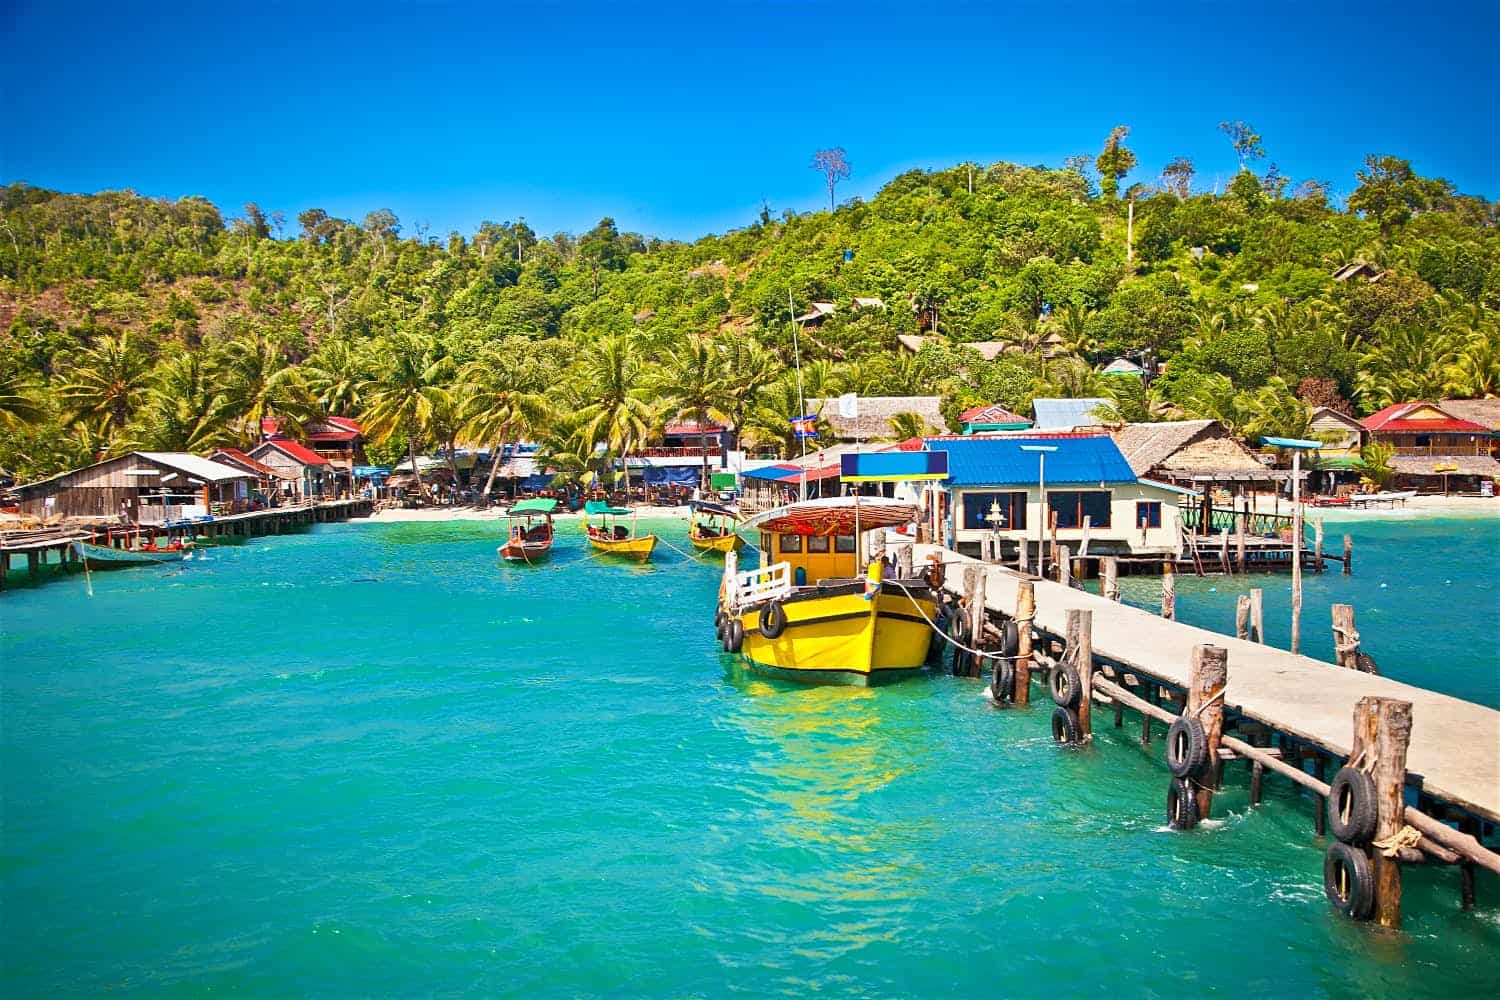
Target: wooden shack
147,487
303,472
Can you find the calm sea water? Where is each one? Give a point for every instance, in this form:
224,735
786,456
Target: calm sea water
371,760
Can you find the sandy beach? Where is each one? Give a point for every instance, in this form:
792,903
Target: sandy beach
397,515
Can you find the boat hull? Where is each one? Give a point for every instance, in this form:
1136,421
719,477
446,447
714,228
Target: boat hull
842,638
526,552
103,555
638,549
721,543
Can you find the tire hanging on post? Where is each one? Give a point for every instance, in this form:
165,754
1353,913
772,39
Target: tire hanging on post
1349,880
1182,804
1187,747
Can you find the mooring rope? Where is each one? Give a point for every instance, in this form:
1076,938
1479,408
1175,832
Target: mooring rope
945,636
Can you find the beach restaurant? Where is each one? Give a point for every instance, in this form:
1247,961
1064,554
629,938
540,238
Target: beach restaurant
145,487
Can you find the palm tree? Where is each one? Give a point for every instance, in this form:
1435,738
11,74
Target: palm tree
907,425
19,403
616,413
1375,460
503,398
1275,411
692,379
185,410
258,384
770,420
748,368
1073,324
335,375
407,393
1214,398
106,383
1408,363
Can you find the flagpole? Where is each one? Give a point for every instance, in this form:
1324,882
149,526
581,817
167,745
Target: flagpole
791,309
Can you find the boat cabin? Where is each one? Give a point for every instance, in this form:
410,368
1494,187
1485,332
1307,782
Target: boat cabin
824,539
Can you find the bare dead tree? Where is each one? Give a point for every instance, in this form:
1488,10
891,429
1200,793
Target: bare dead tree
835,167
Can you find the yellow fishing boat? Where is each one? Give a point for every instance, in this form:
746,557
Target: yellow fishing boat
612,538
714,528
815,611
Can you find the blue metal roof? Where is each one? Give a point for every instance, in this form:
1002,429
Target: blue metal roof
1065,414
999,461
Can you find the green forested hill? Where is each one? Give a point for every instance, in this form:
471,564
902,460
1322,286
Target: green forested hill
135,322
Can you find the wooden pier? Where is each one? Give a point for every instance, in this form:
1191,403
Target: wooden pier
1284,708
54,546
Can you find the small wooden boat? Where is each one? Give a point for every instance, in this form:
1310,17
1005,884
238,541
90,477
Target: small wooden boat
610,538
104,555
713,528
530,531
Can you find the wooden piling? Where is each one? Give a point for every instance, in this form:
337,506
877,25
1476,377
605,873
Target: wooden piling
1348,555
1109,578
1318,545
1168,591
1257,615
1345,637
1025,612
1239,541
1242,617
1208,673
904,570
1296,645
1051,552
875,552
1382,730
1021,557
974,590
33,564
1081,644
1064,566
1257,775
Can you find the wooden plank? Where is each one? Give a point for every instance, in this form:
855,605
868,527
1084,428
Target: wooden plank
1305,698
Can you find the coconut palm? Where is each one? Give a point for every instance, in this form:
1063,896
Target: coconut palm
1375,463
260,384
769,423
185,409
1275,411
616,412
407,393
693,381
907,425
335,375
20,406
1408,363
503,397
1214,398
748,368
106,383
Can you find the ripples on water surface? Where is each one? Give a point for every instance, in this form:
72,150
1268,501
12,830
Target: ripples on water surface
371,760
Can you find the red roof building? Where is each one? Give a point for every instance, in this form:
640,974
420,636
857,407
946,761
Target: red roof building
305,472
1419,418
236,459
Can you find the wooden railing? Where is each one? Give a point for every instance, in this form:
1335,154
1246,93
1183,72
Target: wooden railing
1226,519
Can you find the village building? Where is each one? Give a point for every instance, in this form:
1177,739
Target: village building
1435,450
1189,453
873,422
1122,366
991,419
341,442
989,350
1337,431
142,487
1358,269
303,473
267,480
686,447
1484,412
816,314
998,489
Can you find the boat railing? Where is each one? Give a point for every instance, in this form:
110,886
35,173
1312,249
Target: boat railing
752,586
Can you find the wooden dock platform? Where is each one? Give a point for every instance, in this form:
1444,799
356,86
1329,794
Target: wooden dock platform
1454,753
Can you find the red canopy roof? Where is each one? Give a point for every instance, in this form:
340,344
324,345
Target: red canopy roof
1394,420
332,429
295,449
237,457
678,430
994,413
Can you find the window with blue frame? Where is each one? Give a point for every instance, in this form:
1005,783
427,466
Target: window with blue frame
1148,513
1072,506
1012,509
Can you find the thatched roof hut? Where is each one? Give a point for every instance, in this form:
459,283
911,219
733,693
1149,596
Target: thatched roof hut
1183,449
875,413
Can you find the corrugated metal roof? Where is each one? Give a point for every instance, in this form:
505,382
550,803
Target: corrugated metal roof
1000,461
1058,414
193,465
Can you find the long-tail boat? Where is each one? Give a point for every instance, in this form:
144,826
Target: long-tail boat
530,531
611,538
105,555
714,528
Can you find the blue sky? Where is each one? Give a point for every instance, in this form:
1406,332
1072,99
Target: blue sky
678,120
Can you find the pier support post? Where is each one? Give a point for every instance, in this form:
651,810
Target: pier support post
1345,638
1242,617
33,564
1382,730
1208,674
1257,615
1348,555
876,551
1064,566
974,591
1052,523
1081,644
1239,541
1021,557
903,562
1025,613
1109,578
1318,545
1168,591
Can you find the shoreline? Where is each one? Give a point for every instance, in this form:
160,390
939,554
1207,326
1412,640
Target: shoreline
398,515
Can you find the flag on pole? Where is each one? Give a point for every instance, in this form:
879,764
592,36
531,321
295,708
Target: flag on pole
849,406
805,427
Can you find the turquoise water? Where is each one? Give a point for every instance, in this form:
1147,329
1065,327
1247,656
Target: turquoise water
370,760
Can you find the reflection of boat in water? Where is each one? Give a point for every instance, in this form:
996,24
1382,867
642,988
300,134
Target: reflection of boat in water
714,527
818,614
104,555
530,538
612,538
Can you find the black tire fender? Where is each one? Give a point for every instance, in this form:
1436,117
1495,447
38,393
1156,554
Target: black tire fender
1349,880
1010,638
1066,728
1003,681
1351,806
734,635
772,620
1182,804
1065,685
1187,747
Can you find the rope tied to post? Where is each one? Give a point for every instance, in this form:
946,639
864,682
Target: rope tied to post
1216,696
1407,836
1346,640
982,654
